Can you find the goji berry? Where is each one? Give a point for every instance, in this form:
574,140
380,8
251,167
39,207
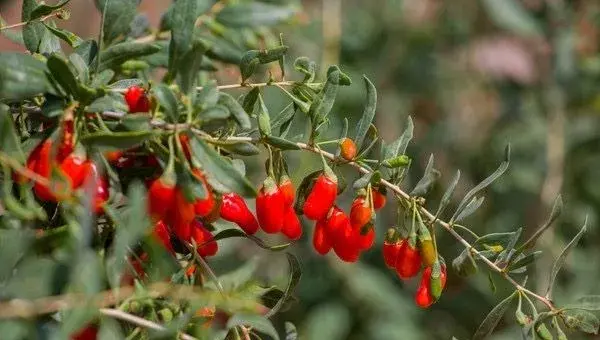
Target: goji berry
408,263
101,194
287,189
75,167
182,214
320,241
291,224
67,142
436,284
161,195
234,209
366,240
391,251
422,298
321,198
348,149
270,207
214,214
204,239
43,167
360,212
346,246
379,199
136,99
86,333
161,234
203,206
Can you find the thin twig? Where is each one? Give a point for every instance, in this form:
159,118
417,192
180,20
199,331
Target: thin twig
236,86
42,19
136,320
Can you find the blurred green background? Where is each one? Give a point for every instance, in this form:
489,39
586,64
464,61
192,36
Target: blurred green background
474,75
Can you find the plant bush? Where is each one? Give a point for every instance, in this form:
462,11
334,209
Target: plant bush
115,185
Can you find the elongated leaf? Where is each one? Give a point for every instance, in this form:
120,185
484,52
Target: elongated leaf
582,320
295,273
236,233
254,14
427,181
88,50
117,54
257,322
321,107
250,100
118,17
167,100
362,181
560,261
33,31
586,302
491,178
493,318
306,67
368,113
125,83
398,147
69,37
61,71
190,64
240,116
9,140
303,106
264,120
524,261
464,264
166,21
183,18
44,9
239,276
509,251
22,76
512,16
448,194
281,143
222,169
107,141
239,148
475,203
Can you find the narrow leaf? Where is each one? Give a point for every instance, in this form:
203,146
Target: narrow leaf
295,273
560,261
368,113
237,111
448,194
167,100
117,54
427,181
493,318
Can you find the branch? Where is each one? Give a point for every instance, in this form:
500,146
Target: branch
42,19
237,86
136,320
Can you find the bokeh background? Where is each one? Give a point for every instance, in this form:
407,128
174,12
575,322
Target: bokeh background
474,75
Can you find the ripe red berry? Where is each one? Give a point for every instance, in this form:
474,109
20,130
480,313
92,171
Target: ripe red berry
347,246
291,224
67,142
391,251
87,333
181,215
366,240
204,239
287,189
379,199
408,263
161,196
424,298
203,206
270,207
234,209
43,167
101,194
335,224
161,234
75,167
137,100
360,212
321,197
320,241
348,149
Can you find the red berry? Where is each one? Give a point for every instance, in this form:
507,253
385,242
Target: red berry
270,207
348,149
360,213
182,214
346,245
408,263
113,156
321,198
101,194
204,206
43,167
86,333
75,167
161,234
234,209
378,199
185,145
204,239
320,241
67,143
287,188
161,196
335,224
137,100
391,251
423,299
366,241
291,224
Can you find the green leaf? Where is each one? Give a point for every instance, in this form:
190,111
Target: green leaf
190,64
110,329
107,141
509,252
215,112
363,181
33,31
69,37
239,276
248,64
117,54
88,50
235,233
524,261
427,181
14,244
368,113
10,142
224,51
223,170
82,71
321,107
560,261
281,143
264,120
464,264
112,101
168,101
303,106
398,147
257,322
237,147
250,100
240,116
254,14
22,76
183,18
512,16
586,302
61,71
582,320
491,178
471,207
306,67
448,194
118,17
295,274
43,9
166,21
493,318
43,269
125,84
396,162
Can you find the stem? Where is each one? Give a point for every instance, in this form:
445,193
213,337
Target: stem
136,320
42,19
